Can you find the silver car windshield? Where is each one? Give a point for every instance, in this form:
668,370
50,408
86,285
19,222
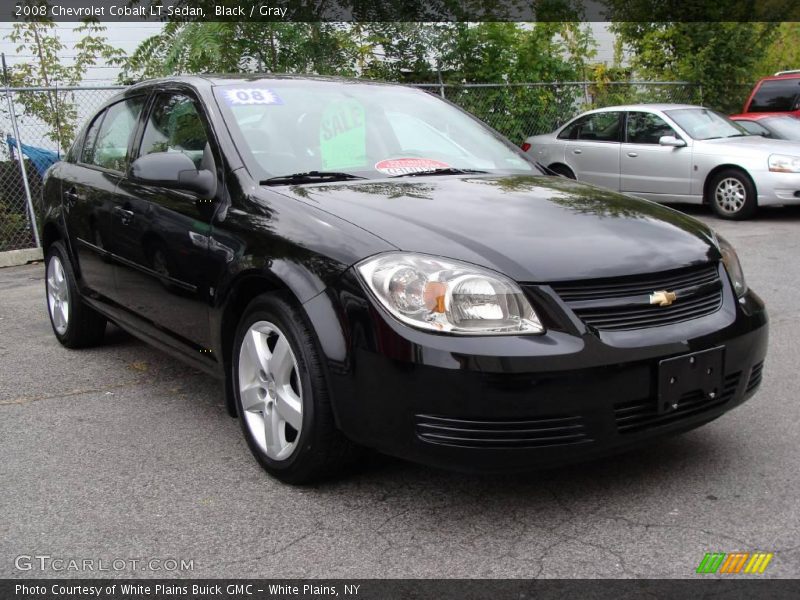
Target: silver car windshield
287,127
786,127
705,124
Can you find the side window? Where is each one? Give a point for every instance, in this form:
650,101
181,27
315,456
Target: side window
109,147
89,140
647,128
569,132
599,127
174,125
776,95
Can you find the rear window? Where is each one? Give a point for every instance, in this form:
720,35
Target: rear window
776,95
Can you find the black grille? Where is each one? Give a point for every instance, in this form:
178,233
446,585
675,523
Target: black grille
535,432
643,414
755,377
601,303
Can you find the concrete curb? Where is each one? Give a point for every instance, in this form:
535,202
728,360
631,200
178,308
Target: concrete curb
15,258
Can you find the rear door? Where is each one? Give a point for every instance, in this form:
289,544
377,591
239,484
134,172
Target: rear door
89,193
593,149
163,233
649,168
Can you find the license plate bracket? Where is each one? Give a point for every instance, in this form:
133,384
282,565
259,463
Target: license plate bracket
699,371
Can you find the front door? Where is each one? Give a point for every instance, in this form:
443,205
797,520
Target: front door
163,233
649,168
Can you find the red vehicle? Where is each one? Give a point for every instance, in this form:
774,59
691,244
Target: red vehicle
777,94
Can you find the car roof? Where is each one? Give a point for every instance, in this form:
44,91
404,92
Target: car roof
779,77
211,80
634,107
758,116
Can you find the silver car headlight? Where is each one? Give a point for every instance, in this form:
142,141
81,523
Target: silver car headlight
781,163
732,266
448,296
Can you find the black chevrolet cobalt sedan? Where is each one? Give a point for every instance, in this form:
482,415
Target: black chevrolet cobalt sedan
365,265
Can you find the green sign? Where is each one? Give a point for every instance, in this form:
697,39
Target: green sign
343,135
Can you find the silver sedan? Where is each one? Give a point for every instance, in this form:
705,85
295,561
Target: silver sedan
674,153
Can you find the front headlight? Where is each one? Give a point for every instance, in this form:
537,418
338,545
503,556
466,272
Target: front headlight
447,296
781,163
732,266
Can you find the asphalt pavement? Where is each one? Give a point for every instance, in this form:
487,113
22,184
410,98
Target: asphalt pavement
121,452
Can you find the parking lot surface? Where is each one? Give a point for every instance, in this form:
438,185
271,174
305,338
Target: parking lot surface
121,452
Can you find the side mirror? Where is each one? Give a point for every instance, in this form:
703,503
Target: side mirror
174,170
671,140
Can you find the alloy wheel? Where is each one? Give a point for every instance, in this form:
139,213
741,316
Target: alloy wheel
270,390
730,195
58,295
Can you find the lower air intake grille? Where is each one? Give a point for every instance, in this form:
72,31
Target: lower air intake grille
755,377
538,432
643,414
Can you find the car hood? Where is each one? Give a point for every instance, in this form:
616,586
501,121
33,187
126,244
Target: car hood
747,146
533,229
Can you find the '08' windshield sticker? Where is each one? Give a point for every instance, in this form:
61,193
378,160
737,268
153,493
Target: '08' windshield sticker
403,166
249,96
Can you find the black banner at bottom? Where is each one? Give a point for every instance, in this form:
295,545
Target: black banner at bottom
391,589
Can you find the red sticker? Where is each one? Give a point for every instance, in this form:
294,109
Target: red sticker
402,166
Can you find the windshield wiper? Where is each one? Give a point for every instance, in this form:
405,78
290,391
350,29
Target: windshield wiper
444,171
310,177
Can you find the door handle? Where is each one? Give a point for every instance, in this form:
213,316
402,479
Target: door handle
577,151
632,154
71,197
125,216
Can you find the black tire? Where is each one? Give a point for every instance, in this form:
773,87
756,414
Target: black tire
563,171
321,450
724,191
84,327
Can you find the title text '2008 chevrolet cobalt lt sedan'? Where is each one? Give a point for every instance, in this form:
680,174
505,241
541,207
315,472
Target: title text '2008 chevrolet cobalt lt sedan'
365,265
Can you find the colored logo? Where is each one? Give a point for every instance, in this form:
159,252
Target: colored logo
735,562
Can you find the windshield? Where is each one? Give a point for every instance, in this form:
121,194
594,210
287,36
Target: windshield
705,124
373,131
787,128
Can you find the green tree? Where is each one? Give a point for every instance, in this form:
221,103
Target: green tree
721,56
783,53
509,53
40,39
235,47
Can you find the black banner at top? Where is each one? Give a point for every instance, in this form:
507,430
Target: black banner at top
402,10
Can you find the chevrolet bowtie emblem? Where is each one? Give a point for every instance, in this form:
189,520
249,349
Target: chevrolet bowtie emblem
663,298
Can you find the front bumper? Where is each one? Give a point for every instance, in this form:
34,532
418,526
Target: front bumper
519,402
777,188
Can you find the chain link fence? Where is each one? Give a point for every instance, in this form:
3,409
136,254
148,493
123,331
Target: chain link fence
37,125
46,119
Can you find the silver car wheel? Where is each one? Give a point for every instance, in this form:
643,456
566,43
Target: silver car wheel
270,390
730,195
57,295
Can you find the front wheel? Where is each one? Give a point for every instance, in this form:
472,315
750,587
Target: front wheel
282,398
732,195
75,324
